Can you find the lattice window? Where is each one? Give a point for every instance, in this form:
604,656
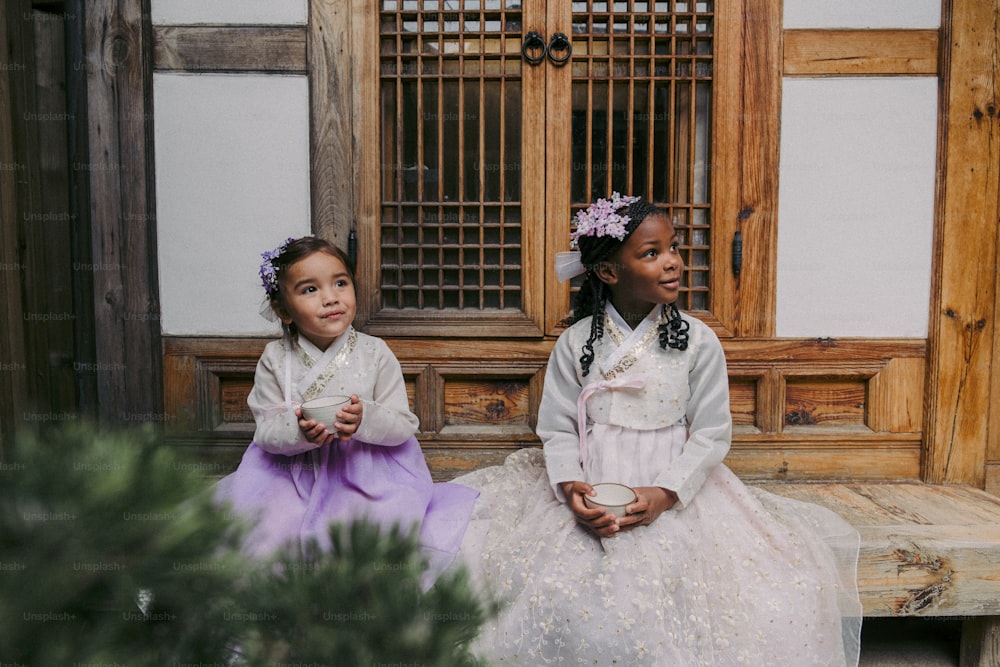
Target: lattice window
642,92
450,88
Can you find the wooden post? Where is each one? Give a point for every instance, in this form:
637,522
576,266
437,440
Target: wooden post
958,405
332,157
13,370
118,47
980,641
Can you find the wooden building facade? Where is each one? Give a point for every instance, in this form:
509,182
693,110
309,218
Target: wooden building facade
450,147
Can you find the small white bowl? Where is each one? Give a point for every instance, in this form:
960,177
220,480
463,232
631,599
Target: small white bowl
323,410
613,498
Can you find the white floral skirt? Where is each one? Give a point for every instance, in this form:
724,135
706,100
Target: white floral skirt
739,577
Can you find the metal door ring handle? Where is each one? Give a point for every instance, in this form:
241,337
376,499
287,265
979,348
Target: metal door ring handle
559,42
532,42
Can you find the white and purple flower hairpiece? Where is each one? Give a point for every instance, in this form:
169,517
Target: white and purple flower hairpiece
601,219
268,272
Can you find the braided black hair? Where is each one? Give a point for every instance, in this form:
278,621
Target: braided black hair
593,295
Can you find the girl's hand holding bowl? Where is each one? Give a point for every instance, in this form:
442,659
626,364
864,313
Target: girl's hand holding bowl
606,509
651,502
612,498
326,417
323,410
594,519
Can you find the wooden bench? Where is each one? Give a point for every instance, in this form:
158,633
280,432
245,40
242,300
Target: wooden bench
926,550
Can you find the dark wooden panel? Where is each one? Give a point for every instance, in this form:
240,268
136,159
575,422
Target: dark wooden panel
122,210
482,401
13,376
233,392
243,48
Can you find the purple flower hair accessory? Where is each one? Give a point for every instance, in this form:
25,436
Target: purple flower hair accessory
601,219
268,273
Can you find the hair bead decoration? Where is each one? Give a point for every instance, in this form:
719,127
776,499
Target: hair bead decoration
268,272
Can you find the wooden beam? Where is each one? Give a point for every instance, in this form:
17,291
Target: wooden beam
546,118
13,370
751,115
813,53
239,48
368,163
333,166
959,409
118,42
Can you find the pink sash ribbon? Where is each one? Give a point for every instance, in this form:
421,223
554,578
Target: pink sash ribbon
581,407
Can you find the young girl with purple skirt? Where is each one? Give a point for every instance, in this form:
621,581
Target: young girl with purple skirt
698,569
298,476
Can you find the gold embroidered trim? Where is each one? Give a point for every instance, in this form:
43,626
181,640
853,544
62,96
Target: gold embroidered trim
618,337
316,388
302,355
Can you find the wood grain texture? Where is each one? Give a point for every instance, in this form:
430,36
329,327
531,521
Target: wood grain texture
541,219
727,94
813,53
13,376
229,48
47,265
926,550
332,157
480,401
896,396
823,401
812,459
964,281
122,211
993,478
367,139
551,90
980,642
746,114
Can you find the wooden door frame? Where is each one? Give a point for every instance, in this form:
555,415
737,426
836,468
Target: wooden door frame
961,421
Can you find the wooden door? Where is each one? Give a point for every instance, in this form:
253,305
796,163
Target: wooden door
496,123
631,111
457,245
493,121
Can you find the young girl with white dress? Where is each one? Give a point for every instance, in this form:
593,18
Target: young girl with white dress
298,476
698,570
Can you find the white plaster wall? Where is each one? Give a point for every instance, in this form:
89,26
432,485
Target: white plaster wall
228,11
862,13
856,206
232,180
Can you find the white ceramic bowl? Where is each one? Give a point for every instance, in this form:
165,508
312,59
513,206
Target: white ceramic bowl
324,409
612,498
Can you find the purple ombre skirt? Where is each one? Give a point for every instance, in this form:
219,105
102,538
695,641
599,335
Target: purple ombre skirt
291,499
